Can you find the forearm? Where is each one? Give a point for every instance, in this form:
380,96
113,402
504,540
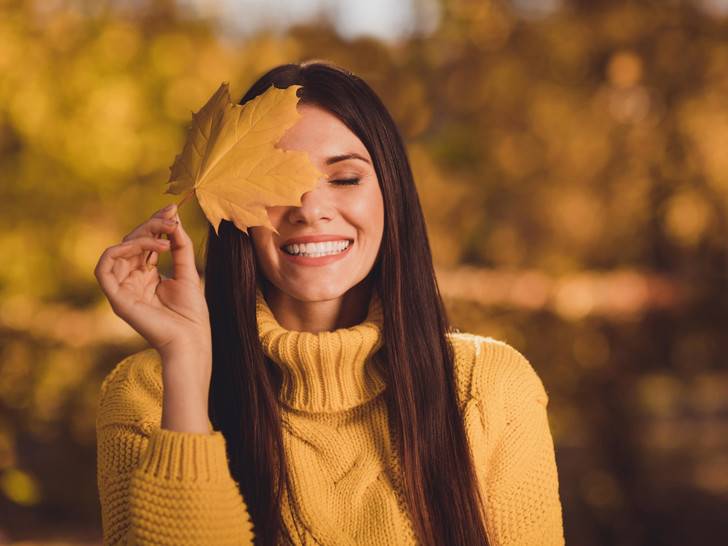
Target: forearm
186,379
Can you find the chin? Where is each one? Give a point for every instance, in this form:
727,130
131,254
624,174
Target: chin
318,293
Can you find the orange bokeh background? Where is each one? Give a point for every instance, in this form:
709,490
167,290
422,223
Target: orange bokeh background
572,161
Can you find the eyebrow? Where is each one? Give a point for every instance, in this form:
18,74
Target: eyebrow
344,157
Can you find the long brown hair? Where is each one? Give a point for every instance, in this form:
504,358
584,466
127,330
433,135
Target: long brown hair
439,480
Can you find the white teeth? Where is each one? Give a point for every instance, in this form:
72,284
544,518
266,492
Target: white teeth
317,249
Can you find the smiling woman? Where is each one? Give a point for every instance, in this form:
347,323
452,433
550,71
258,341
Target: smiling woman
316,394
337,226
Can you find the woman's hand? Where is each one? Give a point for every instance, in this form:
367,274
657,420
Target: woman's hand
170,313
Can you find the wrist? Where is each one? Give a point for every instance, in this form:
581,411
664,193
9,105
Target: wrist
198,351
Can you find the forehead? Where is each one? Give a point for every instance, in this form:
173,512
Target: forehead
321,133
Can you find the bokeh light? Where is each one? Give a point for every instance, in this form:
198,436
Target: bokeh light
571,160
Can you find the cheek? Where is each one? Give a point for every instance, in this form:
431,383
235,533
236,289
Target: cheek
367,210
261,243
275,214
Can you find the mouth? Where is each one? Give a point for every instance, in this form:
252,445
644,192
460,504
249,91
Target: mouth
318,254
317,250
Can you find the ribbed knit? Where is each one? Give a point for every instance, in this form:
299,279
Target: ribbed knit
158,486
324,372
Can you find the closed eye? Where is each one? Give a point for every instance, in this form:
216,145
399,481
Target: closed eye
346,181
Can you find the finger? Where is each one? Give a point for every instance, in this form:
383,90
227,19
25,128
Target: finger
105,268
123,266
150,260
124,259
183,255
146,258
167,212
152,228
164,213
160,222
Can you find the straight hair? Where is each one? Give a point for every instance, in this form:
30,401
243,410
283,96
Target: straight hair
438,476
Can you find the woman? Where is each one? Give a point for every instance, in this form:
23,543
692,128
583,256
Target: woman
314,393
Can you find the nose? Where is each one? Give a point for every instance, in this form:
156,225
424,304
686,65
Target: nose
315,207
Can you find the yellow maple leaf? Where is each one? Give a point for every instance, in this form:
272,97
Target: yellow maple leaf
230,162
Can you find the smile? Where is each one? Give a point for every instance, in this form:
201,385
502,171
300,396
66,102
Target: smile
317,253
314,250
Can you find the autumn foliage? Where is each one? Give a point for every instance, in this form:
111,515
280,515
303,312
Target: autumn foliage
571,160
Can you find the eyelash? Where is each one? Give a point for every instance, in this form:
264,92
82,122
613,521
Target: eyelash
346,181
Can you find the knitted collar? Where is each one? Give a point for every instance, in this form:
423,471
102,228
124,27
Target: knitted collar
324,372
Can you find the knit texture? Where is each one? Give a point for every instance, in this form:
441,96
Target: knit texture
344,487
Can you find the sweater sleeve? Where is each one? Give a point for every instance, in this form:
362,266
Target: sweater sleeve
522,488
158,486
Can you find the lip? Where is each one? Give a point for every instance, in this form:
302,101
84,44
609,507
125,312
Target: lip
321,260
315,239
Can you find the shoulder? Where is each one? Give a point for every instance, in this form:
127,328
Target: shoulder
131,393
490,370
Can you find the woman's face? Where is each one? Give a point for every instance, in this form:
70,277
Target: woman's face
334,211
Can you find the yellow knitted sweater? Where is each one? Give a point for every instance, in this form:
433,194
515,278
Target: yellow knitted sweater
158,486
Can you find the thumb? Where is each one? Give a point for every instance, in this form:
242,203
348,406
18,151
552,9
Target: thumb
183,254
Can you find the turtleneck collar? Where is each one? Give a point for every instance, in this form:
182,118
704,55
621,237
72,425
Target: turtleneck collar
324,372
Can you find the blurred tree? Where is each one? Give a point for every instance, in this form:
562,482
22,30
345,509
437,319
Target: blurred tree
570,157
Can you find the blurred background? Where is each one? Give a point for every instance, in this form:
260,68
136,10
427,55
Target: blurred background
572,160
